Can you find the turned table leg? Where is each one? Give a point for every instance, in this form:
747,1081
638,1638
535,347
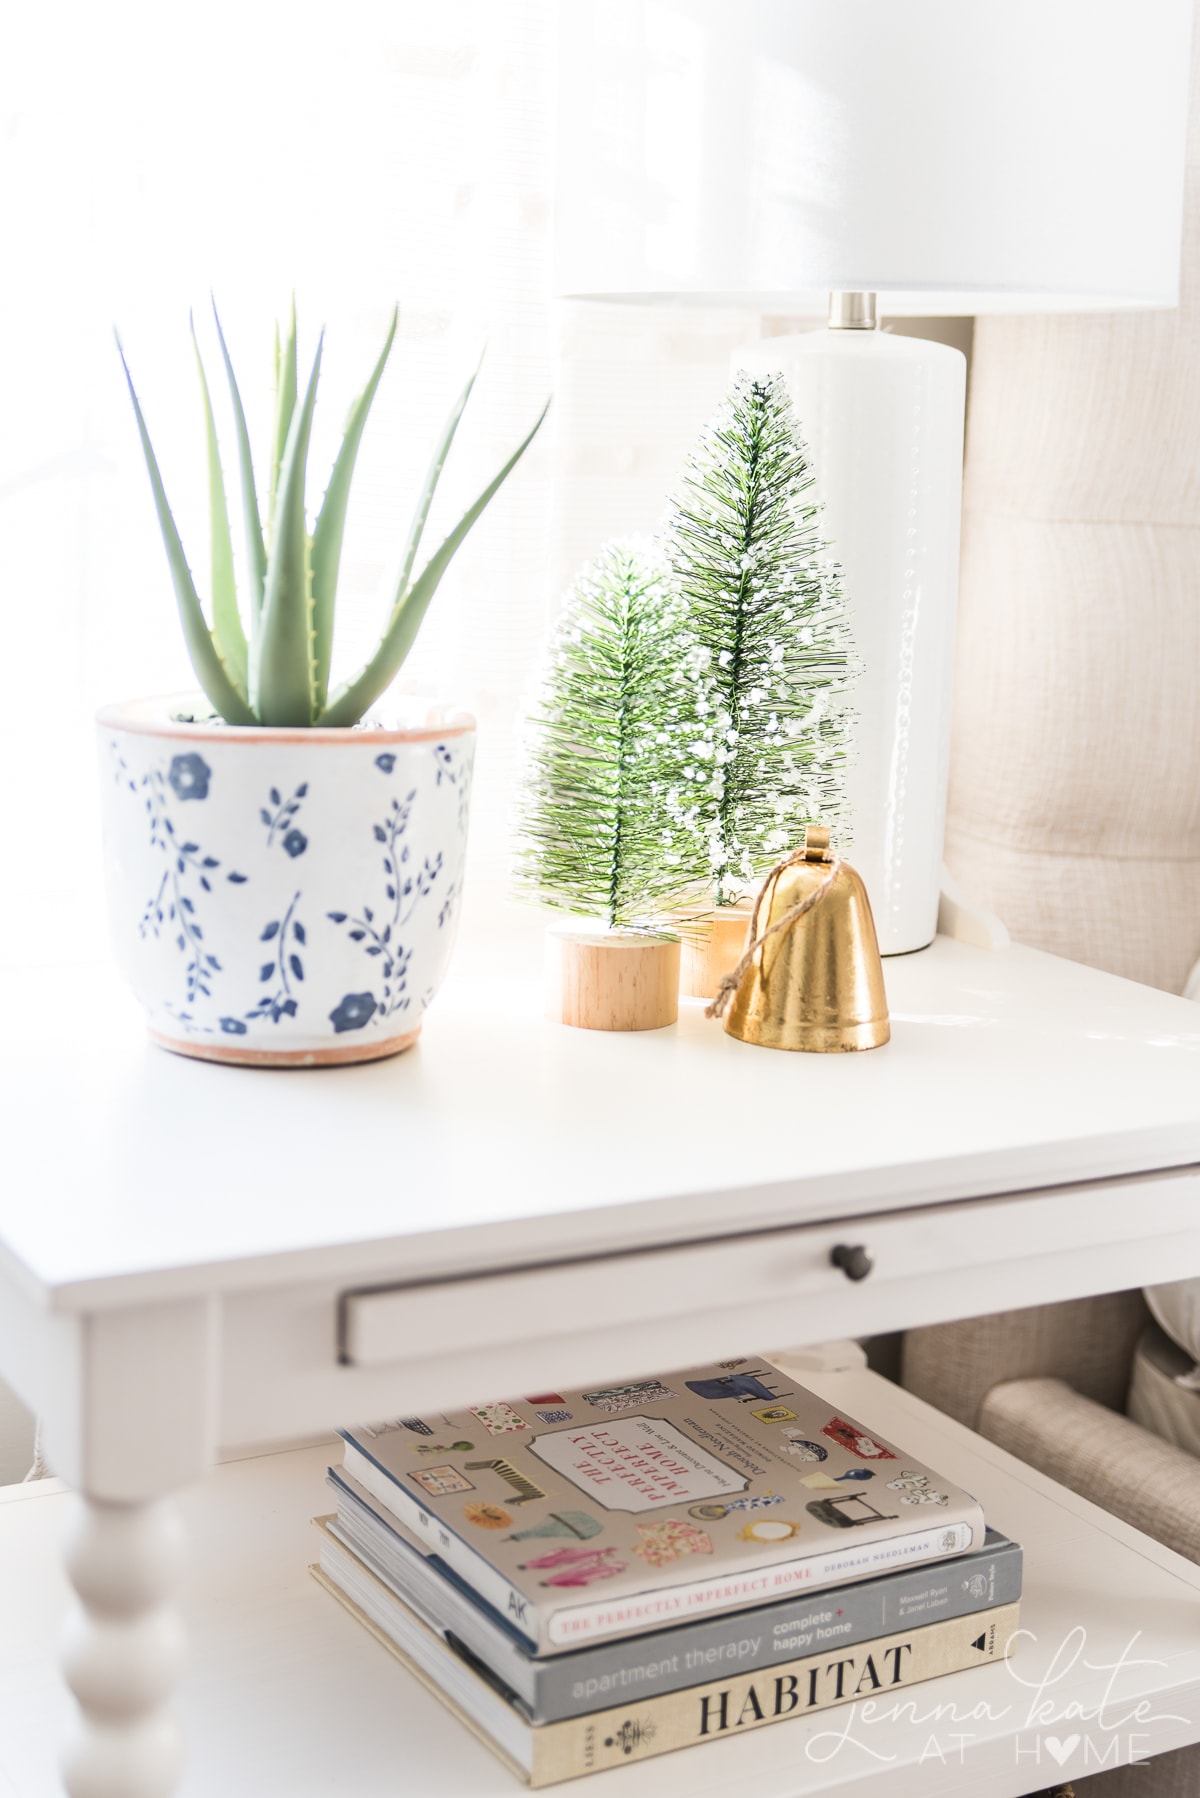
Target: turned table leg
129,1423
123,1649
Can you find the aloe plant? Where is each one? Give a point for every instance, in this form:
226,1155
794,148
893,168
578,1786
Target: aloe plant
268,661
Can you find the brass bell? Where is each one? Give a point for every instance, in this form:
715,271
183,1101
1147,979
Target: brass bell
816,982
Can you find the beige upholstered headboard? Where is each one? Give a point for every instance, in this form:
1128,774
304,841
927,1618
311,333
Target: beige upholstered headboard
1075,773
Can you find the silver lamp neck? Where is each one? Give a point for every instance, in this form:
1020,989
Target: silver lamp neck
852,312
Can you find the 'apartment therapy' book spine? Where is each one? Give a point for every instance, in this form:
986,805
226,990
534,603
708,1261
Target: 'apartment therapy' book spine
761,1640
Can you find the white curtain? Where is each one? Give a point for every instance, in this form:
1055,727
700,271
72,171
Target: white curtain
376,151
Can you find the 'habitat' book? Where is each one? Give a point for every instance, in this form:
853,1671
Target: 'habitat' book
551,1688
618,1509
714,1711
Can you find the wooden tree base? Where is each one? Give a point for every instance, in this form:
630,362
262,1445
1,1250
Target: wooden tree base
611,980
714,950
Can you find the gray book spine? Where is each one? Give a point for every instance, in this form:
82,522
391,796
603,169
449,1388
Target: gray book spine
744,1641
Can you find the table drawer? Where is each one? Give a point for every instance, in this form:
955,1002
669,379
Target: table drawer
1002,1251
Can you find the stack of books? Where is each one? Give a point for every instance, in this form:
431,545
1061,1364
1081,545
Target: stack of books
589,1578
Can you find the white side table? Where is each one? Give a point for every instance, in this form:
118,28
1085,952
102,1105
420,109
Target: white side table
193,1256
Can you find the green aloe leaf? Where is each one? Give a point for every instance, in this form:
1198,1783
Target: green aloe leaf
440,452
281,687
256,554
353,699
227,630
210,670
331,522
285,406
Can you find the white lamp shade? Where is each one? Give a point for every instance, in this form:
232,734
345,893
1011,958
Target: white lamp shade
952,155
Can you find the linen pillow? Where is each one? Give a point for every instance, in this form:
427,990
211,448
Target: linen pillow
1177,1310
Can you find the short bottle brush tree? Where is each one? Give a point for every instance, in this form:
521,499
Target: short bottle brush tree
266,658
765,602
616,750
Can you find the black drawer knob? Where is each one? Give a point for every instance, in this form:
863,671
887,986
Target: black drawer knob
853,1260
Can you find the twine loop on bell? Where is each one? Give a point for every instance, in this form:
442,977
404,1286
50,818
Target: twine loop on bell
733,980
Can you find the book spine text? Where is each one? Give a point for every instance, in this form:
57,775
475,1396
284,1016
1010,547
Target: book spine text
744,1641
574,1624
722,1709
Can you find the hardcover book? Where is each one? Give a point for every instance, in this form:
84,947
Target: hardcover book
618,1509
550,1689
715,1710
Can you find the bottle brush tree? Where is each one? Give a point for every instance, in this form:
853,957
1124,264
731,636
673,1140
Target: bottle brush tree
616,756
764,601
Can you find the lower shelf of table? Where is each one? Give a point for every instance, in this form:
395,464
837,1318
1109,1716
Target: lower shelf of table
286,1695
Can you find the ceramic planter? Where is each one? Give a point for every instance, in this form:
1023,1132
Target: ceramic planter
282,896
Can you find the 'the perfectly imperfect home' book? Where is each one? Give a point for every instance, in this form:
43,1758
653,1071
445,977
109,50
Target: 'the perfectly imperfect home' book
604,1512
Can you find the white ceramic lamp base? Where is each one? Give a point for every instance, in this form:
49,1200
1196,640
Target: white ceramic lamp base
883,418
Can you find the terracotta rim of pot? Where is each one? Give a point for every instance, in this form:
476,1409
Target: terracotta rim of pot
152,718
334,1055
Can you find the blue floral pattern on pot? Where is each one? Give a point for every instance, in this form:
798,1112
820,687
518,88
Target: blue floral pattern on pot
355,1010
188,775
187,872
283,971
307,905
382,933
277,817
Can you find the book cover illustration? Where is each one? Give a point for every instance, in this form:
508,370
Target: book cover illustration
644,1503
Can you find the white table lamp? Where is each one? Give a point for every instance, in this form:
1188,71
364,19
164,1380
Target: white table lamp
909,157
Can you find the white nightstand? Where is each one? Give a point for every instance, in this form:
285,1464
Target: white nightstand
194,1256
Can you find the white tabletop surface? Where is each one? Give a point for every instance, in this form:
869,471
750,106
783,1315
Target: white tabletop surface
503,1138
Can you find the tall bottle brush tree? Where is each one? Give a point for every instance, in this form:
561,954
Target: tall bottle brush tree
617,750
765,602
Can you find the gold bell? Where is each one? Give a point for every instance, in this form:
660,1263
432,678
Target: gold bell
817,982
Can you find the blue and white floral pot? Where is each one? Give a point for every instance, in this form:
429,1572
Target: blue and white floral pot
277,896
